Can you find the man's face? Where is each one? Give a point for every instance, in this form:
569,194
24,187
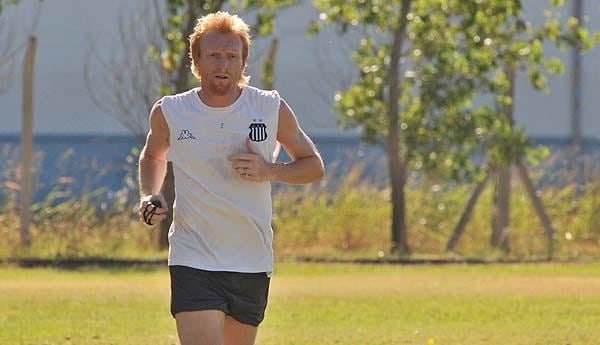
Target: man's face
220,62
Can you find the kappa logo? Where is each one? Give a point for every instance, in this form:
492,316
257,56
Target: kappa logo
185,134
258,131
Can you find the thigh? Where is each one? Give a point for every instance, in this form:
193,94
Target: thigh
237,333
203,327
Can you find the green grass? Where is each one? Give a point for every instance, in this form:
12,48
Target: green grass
319,304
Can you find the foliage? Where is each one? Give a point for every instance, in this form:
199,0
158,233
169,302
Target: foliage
421,64
512,42
96,223
353,220
350,220
455,51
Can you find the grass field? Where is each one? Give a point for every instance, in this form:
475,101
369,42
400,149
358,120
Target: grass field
319,304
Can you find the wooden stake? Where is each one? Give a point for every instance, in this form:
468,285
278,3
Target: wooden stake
466,215
538,205
27,142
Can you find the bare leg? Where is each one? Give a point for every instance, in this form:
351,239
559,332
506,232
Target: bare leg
237,333
200,327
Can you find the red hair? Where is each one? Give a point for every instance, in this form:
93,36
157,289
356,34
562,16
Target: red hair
222,22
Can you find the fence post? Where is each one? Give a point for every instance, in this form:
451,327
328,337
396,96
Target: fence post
27,142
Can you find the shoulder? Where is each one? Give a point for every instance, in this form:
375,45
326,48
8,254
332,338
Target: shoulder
179,97
171,105
287,118
260,93
266,102
156,109
157,116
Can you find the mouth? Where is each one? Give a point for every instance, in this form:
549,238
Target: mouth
221,76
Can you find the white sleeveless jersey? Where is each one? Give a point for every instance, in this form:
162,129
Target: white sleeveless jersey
221,222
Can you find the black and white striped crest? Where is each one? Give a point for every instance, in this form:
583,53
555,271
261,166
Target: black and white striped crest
258,131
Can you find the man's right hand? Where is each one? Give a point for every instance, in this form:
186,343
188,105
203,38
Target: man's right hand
153,209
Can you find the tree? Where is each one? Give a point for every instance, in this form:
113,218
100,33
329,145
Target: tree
421,62
414,89
518,47
163,56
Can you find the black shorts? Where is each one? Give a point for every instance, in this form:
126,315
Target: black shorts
242,296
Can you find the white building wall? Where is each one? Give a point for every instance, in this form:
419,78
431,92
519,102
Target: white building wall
549,114
590,90
62,104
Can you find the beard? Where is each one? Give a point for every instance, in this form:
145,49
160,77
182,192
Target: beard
221,88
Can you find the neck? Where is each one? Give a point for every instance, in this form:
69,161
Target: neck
213,100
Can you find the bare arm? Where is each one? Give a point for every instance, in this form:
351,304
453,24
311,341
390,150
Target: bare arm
307,165
153,162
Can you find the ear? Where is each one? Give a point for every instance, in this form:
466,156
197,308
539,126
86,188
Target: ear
195,54
195,58
195,67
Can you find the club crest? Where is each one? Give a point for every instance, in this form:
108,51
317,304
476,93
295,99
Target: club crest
258,131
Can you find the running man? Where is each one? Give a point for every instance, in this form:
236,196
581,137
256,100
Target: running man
223,138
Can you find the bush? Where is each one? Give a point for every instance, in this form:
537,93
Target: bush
354,220
350,219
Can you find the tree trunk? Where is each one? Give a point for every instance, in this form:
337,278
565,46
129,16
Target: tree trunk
538,205
576,93
501,207
27,143
396,165
466,215
397,178
501,210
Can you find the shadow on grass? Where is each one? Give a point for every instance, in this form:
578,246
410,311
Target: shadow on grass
85,264
148,265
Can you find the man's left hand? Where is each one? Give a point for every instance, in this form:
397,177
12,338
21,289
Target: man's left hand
251,166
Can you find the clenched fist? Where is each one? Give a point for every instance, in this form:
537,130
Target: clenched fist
251,166
153,209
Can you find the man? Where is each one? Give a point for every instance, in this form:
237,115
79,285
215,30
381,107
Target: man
223,139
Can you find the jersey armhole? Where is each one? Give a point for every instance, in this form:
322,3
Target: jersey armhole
277,148
164,107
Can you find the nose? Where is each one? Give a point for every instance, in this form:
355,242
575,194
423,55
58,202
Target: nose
222,62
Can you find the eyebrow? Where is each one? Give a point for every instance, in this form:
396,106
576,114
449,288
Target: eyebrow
222,50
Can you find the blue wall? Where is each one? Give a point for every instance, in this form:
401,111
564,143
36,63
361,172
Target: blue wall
101,161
